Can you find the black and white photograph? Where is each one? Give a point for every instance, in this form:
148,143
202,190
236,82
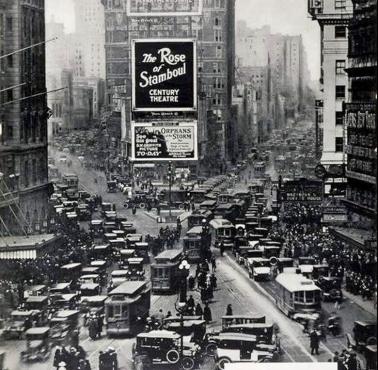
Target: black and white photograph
188,185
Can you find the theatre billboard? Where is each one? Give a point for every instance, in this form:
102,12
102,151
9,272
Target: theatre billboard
164,75
164,141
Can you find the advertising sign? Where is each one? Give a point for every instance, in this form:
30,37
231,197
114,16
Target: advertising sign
164,141
164,8
164,75
303,190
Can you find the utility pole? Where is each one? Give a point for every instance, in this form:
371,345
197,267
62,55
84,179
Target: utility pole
170,189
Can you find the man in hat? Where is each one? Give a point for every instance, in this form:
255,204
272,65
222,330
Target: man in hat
314,342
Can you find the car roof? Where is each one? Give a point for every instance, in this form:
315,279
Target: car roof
159,334
35,331
237,336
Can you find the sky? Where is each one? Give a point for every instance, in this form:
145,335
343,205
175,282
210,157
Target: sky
284,16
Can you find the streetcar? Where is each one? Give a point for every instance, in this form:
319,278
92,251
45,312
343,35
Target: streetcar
193,243
199,217
297,294
223,231
165,270
127,308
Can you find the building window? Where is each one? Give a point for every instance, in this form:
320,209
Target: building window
340,92
340,4
340,67
339,118
9,95
340,32
10,61
339,144
216,21
9,24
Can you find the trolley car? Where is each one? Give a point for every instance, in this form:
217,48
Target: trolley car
193,243
126,308
297,294
164,271
223,231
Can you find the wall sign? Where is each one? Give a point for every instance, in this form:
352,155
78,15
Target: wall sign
164,8
164,75
164,141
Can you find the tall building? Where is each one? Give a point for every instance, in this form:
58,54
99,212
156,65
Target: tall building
333,17
213,30
23,115
90,38
360,117
286,59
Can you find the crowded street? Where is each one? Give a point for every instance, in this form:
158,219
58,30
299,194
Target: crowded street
233,285
188,185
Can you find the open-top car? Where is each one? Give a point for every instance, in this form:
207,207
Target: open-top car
331,288
19,322
163,347
364,334
62,325
38,346
237,347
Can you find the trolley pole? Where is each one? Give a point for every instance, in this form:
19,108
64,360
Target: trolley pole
170,189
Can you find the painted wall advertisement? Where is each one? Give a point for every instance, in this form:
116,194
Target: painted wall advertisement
164,8
164,141
164,75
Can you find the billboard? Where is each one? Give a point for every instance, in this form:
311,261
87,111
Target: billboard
164,141
303,190
164,75
164,8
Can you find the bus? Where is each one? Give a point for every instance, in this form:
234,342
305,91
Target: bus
165,270
126,308
297,294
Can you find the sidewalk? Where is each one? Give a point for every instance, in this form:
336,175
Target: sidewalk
368,306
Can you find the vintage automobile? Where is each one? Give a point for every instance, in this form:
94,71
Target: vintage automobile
163,347
19,322
193,328
364,334
93,306
331,288
135,269
236,347
371,357
41,304
63,324
264,332
37,345
259,268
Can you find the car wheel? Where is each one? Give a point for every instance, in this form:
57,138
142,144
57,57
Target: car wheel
222,361
187,363
173,356
142,205
211,349
126,205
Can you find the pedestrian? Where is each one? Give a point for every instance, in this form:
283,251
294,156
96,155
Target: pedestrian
102,360
199,311
59,357
353,363
134,209
191,282
229,310
207,314
314,342
113,359
221,248
213,281
169,314
213,264
84,365
190,302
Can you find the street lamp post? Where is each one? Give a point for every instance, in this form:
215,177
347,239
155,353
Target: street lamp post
184,268
170,189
